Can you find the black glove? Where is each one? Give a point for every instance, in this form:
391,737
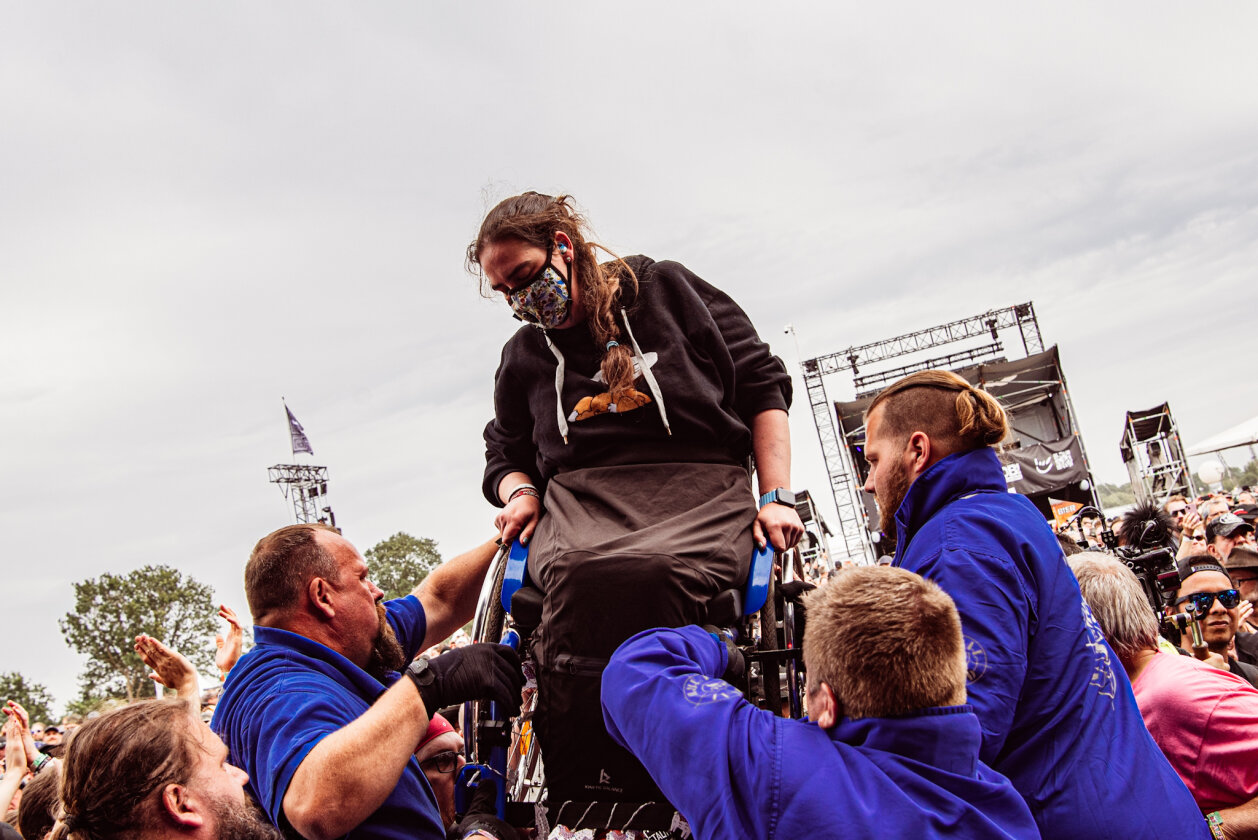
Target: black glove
736,665
794,592
475,672
482,814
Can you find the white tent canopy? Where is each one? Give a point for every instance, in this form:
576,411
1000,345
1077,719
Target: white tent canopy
1242,434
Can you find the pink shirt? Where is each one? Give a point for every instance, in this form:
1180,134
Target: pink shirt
1206,722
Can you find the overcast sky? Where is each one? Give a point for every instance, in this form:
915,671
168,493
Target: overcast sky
204,208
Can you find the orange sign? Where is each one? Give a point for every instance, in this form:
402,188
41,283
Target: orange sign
1062,511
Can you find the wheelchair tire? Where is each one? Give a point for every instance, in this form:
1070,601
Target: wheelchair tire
487,626
770,678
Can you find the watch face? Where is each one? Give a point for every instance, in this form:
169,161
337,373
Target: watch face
786,497
420,672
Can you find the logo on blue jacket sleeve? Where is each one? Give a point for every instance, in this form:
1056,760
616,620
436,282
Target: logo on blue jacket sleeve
975,660
1102,670
699,690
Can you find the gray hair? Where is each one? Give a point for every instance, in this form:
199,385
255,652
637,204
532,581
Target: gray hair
1117,602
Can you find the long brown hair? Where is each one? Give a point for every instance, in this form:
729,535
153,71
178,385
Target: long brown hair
536,218
116,763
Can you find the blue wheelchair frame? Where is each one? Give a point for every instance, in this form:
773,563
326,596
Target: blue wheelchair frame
496,730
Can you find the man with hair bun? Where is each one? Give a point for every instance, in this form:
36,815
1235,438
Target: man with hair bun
891,749
1057,713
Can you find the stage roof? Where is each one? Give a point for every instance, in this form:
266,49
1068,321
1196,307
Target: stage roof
1242,434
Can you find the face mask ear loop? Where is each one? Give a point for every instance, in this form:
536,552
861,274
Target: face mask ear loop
646,372
563,421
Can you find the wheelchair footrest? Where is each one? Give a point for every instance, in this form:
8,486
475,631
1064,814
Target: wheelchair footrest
616,816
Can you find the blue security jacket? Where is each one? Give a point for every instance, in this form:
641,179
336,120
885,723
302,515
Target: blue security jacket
738,772
288,693
1056,708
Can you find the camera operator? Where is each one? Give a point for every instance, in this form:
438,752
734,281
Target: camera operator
1201,717
1207,594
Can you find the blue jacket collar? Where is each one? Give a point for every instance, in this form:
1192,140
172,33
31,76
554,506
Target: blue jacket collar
957,475
947,737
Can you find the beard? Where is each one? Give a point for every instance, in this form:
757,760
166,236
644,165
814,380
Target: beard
895,488
243,821
386,651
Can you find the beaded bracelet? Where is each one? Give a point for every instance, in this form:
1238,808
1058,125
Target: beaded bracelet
523,490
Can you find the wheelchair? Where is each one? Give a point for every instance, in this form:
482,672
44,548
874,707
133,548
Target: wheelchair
757,618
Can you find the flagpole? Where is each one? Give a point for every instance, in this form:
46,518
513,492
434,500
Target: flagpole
288,425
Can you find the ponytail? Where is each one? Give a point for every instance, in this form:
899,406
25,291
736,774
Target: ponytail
981,421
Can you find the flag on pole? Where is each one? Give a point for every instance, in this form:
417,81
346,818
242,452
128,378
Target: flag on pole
300,442
1062,511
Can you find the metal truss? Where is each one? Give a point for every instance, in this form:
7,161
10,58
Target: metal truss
305,484
842,473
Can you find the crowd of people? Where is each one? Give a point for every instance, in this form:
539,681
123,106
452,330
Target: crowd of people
965,690
975,685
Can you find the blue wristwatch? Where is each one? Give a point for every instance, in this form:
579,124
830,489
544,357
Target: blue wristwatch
781,495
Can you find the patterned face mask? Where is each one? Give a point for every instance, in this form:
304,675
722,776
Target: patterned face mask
544,300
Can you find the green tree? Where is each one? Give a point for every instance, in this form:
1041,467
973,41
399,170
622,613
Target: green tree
399,563
85,704
110,611
1115,495
1246,476
33,696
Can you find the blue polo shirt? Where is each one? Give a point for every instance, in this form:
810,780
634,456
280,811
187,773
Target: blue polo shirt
288,693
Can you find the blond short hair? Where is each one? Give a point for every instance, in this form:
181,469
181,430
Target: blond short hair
955,415
886,641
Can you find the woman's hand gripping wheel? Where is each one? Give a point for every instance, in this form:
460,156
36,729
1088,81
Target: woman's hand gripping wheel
518,519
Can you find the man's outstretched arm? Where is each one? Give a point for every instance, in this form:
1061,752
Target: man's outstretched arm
450,591
352,771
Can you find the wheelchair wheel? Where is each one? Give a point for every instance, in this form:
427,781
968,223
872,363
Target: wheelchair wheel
770,677
487,626
525,781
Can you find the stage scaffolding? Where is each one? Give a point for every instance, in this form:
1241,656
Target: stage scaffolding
306,486
1154,454
869,375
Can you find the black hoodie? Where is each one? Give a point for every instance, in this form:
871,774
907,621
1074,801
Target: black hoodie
712,375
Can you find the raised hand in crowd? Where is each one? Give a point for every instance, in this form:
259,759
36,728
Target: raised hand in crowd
229,647
1244,611
15,711
1191,526
171,669
16,762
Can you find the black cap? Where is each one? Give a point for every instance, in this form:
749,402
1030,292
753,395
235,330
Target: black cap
1227,525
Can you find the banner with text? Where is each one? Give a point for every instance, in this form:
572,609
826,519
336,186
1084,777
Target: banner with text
1042,467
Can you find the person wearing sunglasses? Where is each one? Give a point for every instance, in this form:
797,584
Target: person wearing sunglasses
1201,717
626,408
1207,594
